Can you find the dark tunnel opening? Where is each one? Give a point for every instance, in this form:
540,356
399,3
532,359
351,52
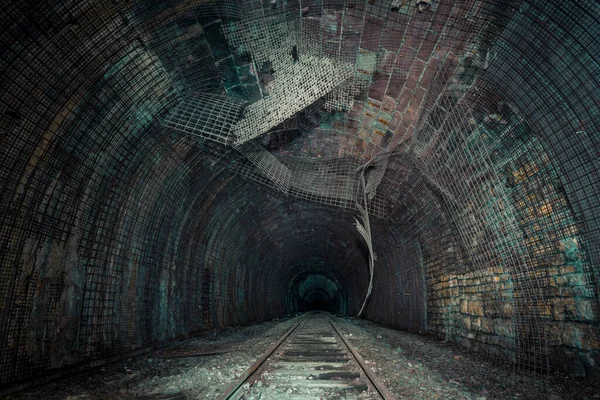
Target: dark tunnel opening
312,290
317,299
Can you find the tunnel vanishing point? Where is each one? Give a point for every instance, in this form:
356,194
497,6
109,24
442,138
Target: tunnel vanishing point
168,167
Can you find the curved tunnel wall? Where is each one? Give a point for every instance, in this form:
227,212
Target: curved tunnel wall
509,253
117,233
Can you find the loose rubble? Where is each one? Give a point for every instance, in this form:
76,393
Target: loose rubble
413,366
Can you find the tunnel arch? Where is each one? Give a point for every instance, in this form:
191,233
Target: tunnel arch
117,232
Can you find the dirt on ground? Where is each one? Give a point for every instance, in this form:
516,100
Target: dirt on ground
416,366
199,368
412,366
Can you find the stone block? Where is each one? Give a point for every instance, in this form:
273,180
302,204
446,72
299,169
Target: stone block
475,308
584,310
476,324
487,325
504,327
464,306
588,337
569,269
467,322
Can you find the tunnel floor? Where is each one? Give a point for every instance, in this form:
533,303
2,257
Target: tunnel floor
412,366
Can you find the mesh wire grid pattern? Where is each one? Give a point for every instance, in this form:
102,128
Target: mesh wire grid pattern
478,207
494,222
269,38
211,117
293,89
300,77
335,33
97,286
333,182
483,195
266,164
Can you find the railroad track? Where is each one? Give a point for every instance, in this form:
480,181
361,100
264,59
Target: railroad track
310,361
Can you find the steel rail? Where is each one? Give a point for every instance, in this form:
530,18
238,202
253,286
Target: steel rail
375,381
231,391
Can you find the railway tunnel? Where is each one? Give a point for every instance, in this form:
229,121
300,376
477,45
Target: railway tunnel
171,168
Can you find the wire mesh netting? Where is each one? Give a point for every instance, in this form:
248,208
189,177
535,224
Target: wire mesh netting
474,122
209,116
293,89
267,165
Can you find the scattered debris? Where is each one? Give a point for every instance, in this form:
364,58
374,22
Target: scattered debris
416,366
412,366
174,371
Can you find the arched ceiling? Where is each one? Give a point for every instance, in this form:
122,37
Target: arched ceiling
170,166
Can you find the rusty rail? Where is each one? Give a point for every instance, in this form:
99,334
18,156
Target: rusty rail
375,381
230,392
233,390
